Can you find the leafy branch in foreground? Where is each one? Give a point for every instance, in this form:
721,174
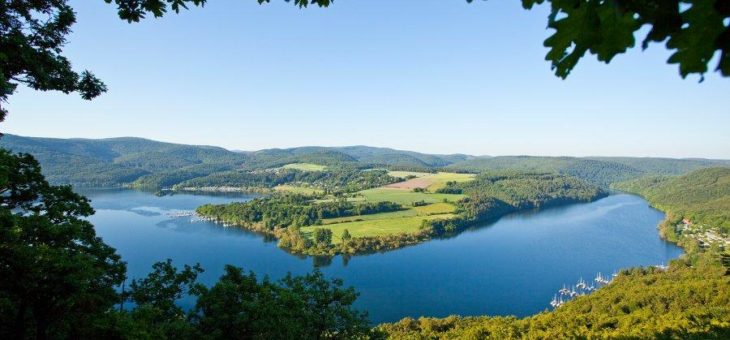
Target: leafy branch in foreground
693,29
59,280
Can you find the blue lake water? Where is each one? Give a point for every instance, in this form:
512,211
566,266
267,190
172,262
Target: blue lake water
512,266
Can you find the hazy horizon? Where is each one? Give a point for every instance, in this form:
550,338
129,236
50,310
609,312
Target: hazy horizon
436,77
374,146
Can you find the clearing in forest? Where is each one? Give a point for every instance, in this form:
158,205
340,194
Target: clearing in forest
428,181
305,167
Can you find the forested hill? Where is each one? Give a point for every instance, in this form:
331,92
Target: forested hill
703,196
116,161
142,162
602,171
121,161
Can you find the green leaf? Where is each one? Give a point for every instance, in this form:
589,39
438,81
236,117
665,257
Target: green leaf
695,43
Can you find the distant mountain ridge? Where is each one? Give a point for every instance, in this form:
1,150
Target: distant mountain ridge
128,160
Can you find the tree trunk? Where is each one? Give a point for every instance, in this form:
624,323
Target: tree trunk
41,327
20,321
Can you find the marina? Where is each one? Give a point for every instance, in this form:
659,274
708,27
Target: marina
569,292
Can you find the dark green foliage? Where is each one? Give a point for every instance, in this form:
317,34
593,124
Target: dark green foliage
284,210
56,276
693,30
163,287
665,166
32,35
346,235
322,237
134,11
119,161
171,178
335,180
273,158
703,196
238,306
450,188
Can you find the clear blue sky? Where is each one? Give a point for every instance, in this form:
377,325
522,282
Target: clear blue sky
433,76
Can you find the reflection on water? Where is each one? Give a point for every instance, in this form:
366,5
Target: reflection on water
507,267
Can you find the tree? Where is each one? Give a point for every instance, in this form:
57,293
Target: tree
33,33
163,287
156,313
322,237
56,276
693,29
346,236
32,36
238,306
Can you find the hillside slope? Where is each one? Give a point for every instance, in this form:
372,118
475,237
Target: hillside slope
702,196
115,161
151,164
602,171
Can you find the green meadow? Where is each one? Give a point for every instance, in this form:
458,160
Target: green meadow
305,167
437,206
385,225
405,197
440,179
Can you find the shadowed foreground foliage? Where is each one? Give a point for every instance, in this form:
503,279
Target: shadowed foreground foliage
59,280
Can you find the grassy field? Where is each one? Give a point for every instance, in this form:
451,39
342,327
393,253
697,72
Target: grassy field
305,167
436,208
431,209
372,217
378,227
440,206
405,197
297,189
440,179
428,181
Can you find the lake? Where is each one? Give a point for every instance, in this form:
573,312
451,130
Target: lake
512,266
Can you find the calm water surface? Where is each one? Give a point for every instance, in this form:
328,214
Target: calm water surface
510,267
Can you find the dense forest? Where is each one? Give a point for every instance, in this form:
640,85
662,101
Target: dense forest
336,179
702,196
602,171
155,165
